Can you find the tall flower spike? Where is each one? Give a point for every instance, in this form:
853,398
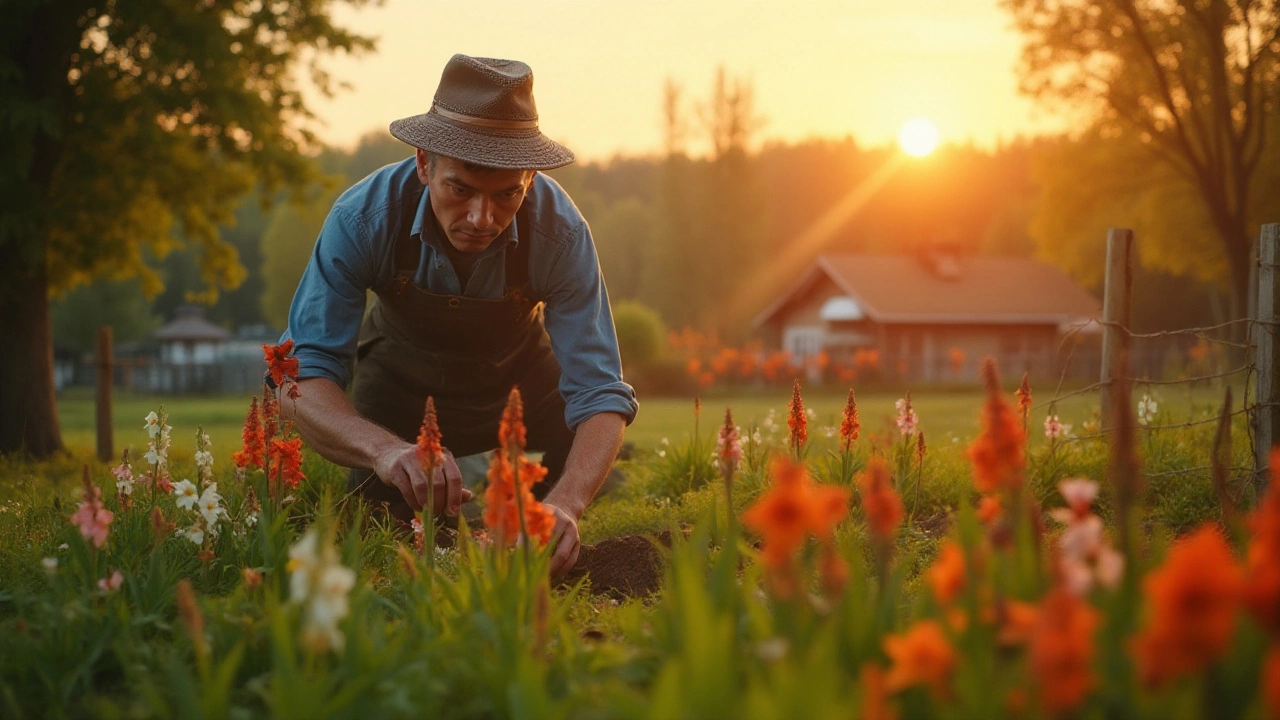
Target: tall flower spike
728,453
250,456
430,450
511,430
797,421
91,517
997,453
880,502
1024,400
849,425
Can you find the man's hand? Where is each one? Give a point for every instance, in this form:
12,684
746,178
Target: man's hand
401,468
564,538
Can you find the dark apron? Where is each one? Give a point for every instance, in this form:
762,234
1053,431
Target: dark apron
467,353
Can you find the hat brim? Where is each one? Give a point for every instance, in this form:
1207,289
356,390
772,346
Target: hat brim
529,150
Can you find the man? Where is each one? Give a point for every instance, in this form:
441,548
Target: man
485,277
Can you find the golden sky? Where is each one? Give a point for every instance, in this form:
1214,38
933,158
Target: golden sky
819,67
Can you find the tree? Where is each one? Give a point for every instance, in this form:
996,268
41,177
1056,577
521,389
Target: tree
1192,83
126,121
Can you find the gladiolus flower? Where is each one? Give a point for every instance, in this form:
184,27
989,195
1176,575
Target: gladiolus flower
784,515
320,582
1193,599
875,696
989,509
1024,398
1061,651
430,451
250,458
920,656
286,463
91,517
880,502
947,576
997,452
111,583
849,424
186,494
279,363
510,489
797,421
728,447
907,419
1262,591
1053,428
252,578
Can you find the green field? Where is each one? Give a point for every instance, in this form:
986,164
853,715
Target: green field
943,414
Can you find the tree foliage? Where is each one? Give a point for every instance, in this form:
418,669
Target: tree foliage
128,120
1192,83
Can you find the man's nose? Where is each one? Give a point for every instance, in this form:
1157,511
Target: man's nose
480,214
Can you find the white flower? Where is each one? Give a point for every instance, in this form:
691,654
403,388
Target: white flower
195,534
319,581
1052,427
1146,410
662,453
186,494
666,441
251,519
210,505
153,424
811,413
124,487
63,546
50,564
153,456
204,459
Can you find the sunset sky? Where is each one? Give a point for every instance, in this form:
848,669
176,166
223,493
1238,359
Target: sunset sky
819,67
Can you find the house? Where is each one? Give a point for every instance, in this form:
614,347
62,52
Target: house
190,339
935,317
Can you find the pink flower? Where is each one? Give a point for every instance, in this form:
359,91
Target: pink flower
907,419
1053,428
111,583
419,534
92,518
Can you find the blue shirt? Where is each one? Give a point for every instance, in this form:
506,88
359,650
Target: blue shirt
355,253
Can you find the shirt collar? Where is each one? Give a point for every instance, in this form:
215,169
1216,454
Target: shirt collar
427,229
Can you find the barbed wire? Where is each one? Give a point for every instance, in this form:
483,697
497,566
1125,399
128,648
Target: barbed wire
1198,468
1247,367
1104,432
1169,333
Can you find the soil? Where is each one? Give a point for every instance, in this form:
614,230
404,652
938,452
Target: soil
623,567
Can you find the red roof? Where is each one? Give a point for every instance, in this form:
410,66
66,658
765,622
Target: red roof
904,289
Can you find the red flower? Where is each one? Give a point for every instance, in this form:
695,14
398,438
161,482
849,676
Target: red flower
997,452
286,463
430,451
250,457
278,361
797,421
880,502
508,490
849,424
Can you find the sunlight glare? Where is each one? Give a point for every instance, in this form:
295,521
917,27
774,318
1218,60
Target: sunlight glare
918,137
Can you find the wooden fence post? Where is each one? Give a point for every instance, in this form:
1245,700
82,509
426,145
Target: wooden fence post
102,404
1116,304
1267,411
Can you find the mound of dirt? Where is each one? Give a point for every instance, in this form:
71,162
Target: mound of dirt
623,567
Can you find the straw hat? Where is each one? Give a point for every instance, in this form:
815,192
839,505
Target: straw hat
483,113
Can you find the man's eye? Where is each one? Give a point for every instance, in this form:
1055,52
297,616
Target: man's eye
460,192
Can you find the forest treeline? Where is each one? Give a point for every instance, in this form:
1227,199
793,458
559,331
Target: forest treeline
708,241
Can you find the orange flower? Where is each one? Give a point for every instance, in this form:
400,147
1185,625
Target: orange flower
997,452
430,451
783,517
250,457
286,463
920,656
279,363
956,357
797,421
511,430
830,506
989,509
1193,598
881,504
1271,680
1024,398
1262,591
1017,621
875,697
1061,650
849,424
509,491
270,410
948,574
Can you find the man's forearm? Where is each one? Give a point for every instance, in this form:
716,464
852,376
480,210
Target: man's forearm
595,445
328,422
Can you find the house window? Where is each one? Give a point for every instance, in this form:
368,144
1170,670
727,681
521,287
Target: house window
802,341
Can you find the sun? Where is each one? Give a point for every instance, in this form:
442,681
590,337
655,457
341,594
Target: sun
918,137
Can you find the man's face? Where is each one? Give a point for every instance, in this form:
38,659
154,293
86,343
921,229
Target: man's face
472,204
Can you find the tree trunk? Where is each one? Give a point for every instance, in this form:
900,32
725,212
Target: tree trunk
28,415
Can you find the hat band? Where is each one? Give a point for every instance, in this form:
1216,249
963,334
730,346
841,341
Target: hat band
485,122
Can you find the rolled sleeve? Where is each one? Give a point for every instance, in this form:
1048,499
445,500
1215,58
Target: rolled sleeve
580,325
324,319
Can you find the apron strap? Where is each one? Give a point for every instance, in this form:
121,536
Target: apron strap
408,251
